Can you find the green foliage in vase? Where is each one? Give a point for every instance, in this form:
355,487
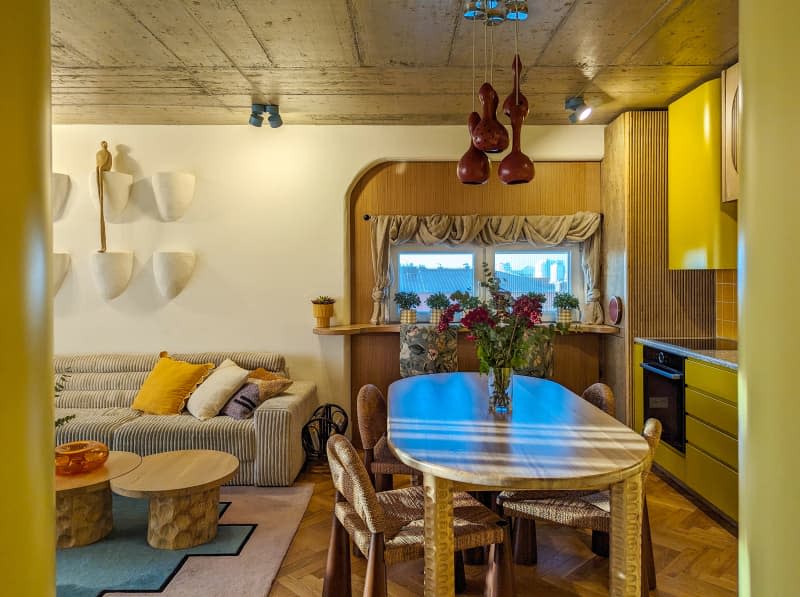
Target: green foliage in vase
465,299
502,327
438,300
407,300
566,301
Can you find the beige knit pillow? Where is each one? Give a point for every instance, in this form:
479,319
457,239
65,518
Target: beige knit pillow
208,399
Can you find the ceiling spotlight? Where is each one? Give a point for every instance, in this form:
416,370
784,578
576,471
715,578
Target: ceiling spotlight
580,111
274,119
517,10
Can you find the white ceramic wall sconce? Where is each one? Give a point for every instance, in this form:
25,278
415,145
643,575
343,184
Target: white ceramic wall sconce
172,270
112,272
59,191
116,192
173,192
60,268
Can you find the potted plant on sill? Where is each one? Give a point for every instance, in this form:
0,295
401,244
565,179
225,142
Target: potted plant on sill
323,310
466,300
408,302
438,302
564,302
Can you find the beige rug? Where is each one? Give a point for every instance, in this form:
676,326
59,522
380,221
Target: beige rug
277,511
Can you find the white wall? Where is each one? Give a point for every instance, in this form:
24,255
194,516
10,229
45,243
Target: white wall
268,223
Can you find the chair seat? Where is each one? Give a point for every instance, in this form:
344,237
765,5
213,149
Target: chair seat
386,463
474,525
592,511
540,494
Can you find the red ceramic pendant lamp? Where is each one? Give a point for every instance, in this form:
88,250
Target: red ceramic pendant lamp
488,135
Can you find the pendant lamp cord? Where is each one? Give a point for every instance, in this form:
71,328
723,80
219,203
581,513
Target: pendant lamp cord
473,65
485,52
516,52
491,63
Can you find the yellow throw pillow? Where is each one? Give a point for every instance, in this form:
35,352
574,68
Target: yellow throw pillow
262,373
169,385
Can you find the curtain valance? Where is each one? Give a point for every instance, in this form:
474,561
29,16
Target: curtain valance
541,231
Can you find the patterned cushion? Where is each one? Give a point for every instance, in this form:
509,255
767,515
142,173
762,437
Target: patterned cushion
242,403
423,350
539,361
150,434
97,424
474,525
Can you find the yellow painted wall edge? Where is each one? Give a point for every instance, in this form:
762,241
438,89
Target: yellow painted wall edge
702,230
27,555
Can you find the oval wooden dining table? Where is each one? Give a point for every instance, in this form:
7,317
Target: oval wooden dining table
441,425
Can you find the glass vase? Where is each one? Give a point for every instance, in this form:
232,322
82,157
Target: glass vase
500,389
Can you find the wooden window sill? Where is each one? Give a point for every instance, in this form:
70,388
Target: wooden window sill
394,328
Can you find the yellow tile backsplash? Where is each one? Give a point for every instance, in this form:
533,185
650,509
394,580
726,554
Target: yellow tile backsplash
726,304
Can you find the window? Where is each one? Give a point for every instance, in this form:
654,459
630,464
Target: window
427,272
521,269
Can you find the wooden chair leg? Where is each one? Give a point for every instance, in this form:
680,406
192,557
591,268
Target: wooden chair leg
461,577
524,533
500,576
337,568
475,556
648,561
375,580
600,544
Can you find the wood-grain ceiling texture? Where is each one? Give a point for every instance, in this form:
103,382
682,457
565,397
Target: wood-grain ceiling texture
372,61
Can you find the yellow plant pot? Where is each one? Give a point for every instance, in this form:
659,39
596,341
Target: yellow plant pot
408,316
323,313
565,316
436,315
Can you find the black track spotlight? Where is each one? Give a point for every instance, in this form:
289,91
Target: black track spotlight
257,119
579,110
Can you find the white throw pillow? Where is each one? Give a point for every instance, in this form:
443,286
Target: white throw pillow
209,398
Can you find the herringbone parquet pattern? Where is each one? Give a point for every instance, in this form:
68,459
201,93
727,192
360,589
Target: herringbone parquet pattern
695,557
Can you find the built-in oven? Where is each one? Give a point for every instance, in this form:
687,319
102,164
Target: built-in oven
664,390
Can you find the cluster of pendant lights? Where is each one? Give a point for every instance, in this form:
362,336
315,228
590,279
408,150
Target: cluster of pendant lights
487,134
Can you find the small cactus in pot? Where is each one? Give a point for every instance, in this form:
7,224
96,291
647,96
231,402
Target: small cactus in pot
323,310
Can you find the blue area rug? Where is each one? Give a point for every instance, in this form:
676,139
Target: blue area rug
123,561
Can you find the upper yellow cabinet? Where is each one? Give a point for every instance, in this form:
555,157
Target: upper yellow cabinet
702,229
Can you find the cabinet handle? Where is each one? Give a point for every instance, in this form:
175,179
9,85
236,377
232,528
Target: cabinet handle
669,374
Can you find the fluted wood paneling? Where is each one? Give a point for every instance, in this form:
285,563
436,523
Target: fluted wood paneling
659,302
423,188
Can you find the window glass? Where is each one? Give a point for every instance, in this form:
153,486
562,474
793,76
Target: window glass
428,272
546,272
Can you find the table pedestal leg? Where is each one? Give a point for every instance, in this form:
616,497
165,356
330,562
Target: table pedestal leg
83,517
439,573
181,521
625,568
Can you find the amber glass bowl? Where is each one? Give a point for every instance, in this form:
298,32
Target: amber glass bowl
80,457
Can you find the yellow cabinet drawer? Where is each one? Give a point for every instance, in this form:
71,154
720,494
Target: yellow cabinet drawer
711,410
713,480
671,461
712,379
719,445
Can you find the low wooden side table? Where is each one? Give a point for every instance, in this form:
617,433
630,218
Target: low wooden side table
83,501
183,489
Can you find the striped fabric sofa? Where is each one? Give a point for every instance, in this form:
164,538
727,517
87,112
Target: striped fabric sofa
99,389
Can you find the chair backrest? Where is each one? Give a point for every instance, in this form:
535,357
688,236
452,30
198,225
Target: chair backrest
371,412
352,481
602,397
652,433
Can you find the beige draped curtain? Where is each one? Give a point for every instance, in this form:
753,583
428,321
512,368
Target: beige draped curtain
540,231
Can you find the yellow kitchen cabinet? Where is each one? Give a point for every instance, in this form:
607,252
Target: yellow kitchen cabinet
701,229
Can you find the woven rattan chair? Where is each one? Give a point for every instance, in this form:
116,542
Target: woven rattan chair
593,510
379,460
388,527
524,529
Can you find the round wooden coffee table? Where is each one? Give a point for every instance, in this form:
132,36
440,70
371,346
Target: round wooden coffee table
83,501
183,489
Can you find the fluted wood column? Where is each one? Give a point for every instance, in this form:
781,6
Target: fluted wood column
27,542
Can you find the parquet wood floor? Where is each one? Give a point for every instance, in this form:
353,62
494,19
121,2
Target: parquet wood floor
695,557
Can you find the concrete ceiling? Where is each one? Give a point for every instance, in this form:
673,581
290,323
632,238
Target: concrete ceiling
372,61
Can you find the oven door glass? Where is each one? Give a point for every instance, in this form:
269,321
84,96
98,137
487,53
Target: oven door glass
663,400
